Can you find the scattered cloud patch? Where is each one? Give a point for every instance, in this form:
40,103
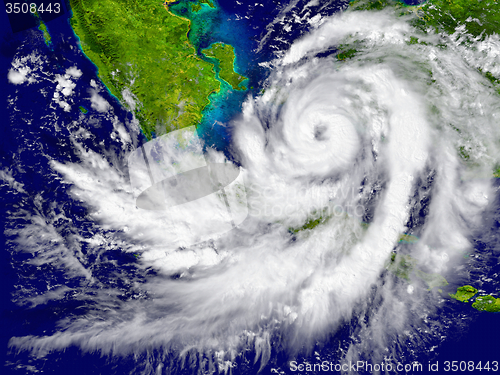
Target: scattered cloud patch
98,102
74,72
18,76
24,68
65,86
130,99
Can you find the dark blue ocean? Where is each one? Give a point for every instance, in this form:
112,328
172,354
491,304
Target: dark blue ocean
34,131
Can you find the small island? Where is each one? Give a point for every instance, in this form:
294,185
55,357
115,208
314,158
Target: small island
482,303
487,303
464,293
310,224
45,31
401,265
224,54
404,266
196,7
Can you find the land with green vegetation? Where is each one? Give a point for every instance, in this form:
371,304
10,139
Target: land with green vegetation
401,265
372,4
480,18
208,2
43,28
83,109
142,51
224,54
345,54
404,266
464,293
46,35
196,7
310,224
487,303
482,303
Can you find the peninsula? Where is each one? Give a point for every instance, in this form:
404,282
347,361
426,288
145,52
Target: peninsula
145,59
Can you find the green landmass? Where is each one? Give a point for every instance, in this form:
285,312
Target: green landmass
346,54
464,293
371,4
196,7
463,152
203,21
142,47
43,28
310,224
482,303
480,18
224,54
487,303
315,219
83,109
432,279
401,265
413,40
208,2
46,35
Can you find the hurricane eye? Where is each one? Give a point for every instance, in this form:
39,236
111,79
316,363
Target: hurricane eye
320,132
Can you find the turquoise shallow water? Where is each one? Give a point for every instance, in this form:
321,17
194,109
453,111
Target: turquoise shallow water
212,25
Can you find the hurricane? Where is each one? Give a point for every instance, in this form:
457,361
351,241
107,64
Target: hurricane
356,171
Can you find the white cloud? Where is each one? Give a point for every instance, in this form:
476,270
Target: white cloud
18,76
74,72
25,69
259,275
98,102
64,84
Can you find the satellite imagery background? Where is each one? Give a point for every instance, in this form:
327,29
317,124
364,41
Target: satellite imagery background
278,187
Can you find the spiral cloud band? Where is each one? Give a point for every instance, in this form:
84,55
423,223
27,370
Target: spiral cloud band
317,137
